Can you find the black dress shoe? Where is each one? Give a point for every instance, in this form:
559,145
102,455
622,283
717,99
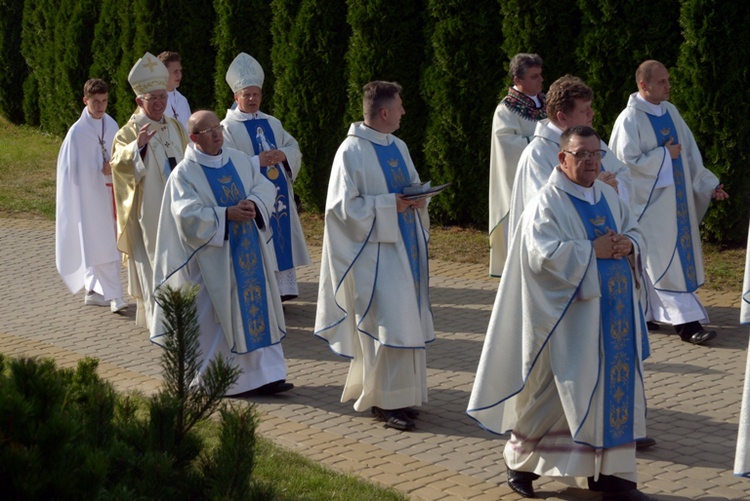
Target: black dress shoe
396,419
644,443
700,337
520,482
652,326
411,412
631,495
273,388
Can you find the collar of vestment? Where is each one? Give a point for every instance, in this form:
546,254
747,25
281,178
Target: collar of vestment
195,155
241,116
525,107
359,129
651,108
561,181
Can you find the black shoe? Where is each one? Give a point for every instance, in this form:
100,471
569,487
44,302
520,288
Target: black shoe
520,482
273,388
410,412
700,337
644,443
652,326
631,495
396,419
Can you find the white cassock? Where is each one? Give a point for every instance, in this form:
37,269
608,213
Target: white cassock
742,454
236,136
85,232
538,161
512,129
191,248
178,107
368,309
541,373
139,186
654,203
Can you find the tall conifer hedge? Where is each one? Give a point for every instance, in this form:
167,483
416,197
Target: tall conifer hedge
107,52
460,86
708,88
615,38
550,29
309,42
13,69
388,43
242,27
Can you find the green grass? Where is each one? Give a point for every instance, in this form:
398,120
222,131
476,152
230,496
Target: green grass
28,161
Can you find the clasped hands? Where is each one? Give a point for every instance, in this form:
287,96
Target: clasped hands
271,157
612,245
243,211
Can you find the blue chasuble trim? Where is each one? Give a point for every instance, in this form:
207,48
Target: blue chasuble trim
396,177
618,340
247,258
664,129
263,139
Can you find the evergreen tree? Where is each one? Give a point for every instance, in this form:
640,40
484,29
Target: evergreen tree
242,27
460,86
310,39
388,44
190,35
616,36
122,94
37,47
707,89
13,69
73,58
549,29
107,52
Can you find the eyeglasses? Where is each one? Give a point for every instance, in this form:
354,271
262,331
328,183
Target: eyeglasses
163,98
585,154
211,130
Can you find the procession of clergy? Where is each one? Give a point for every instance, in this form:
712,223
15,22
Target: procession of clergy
600,242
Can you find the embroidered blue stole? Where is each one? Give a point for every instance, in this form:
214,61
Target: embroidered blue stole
247,257
262,138
397,176
618,328
664,129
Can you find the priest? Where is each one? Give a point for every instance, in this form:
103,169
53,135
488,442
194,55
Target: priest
144,152
373,297
213,230
561,367
85,245
512,129
671,193
277,155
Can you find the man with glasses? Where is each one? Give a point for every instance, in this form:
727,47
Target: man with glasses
671,193
568,105
144,153
513,127
277,155
213,232
561,367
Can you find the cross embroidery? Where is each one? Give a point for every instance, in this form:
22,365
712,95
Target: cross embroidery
150,65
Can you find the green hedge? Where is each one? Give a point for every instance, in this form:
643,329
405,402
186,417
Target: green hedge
450,59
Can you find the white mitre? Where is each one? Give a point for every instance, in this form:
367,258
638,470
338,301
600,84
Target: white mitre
148,74
244,71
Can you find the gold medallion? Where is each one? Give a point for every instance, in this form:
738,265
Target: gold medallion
272,173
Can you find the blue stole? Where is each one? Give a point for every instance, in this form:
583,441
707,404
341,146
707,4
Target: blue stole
247,257
663,128
397,176
618,328
262,138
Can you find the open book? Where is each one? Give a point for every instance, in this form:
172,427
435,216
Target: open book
418,191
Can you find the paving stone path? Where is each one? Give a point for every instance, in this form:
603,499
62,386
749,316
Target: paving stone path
693,392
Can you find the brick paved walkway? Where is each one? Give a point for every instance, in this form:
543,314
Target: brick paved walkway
694,392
